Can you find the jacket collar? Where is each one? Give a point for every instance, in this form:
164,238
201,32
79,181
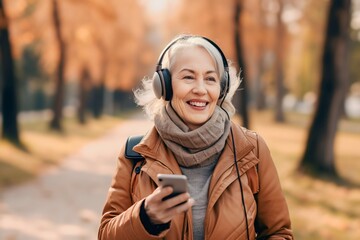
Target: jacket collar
242,149
153,148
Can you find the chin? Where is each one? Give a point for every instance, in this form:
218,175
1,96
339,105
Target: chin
198,122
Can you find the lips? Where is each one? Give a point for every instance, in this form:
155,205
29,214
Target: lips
197,103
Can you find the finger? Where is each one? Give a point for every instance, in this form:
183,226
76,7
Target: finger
183,207
153,203
176,200
169,214
162,192
165,191
158,194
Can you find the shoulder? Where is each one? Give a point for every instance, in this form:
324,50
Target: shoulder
252,136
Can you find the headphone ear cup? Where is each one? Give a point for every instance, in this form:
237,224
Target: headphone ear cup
167,94
157,84
162,84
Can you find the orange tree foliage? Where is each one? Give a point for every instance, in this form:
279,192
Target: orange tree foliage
304,27
106,37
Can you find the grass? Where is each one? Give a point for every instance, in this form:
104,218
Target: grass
43,148
319,209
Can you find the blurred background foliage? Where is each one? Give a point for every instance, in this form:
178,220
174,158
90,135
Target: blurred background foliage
118,42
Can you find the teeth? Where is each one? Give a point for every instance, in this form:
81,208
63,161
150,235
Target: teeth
198,104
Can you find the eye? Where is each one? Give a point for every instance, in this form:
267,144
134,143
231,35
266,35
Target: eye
188,77
211,79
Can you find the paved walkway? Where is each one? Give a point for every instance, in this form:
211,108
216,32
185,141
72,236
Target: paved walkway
66,202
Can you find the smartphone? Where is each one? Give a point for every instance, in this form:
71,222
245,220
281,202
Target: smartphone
176,181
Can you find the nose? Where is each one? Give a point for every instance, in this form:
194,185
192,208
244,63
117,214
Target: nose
199,86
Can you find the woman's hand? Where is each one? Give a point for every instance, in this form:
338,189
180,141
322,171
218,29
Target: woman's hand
159,211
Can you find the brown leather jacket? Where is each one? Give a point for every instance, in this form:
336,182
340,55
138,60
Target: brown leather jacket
267,212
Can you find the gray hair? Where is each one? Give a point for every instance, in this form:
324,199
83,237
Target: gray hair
145,96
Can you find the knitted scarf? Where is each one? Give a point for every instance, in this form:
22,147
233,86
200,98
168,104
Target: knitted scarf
198,147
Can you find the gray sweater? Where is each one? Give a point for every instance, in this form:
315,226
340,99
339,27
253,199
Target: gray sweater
199,181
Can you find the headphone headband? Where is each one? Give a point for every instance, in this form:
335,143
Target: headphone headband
162,54
162,77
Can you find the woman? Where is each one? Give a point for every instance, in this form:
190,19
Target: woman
189,99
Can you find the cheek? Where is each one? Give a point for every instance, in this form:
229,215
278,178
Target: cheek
178,104
179,90
177,101
215,93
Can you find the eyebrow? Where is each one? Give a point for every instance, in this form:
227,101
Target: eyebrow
192,71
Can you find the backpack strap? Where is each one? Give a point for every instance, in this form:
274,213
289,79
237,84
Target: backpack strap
129,152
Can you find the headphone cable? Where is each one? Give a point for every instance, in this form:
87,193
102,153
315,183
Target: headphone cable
241,187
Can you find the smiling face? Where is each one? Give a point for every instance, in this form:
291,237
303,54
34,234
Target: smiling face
195,84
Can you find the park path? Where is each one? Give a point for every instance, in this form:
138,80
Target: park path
65,203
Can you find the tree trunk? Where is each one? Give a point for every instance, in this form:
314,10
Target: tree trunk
279,68
9,97
318,157
59,75
85,76
242,106
97,100
259,88
98,90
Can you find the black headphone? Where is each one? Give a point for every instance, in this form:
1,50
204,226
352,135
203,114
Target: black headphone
162,77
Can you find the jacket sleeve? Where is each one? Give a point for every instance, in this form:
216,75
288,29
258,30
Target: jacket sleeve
121,217
272,220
